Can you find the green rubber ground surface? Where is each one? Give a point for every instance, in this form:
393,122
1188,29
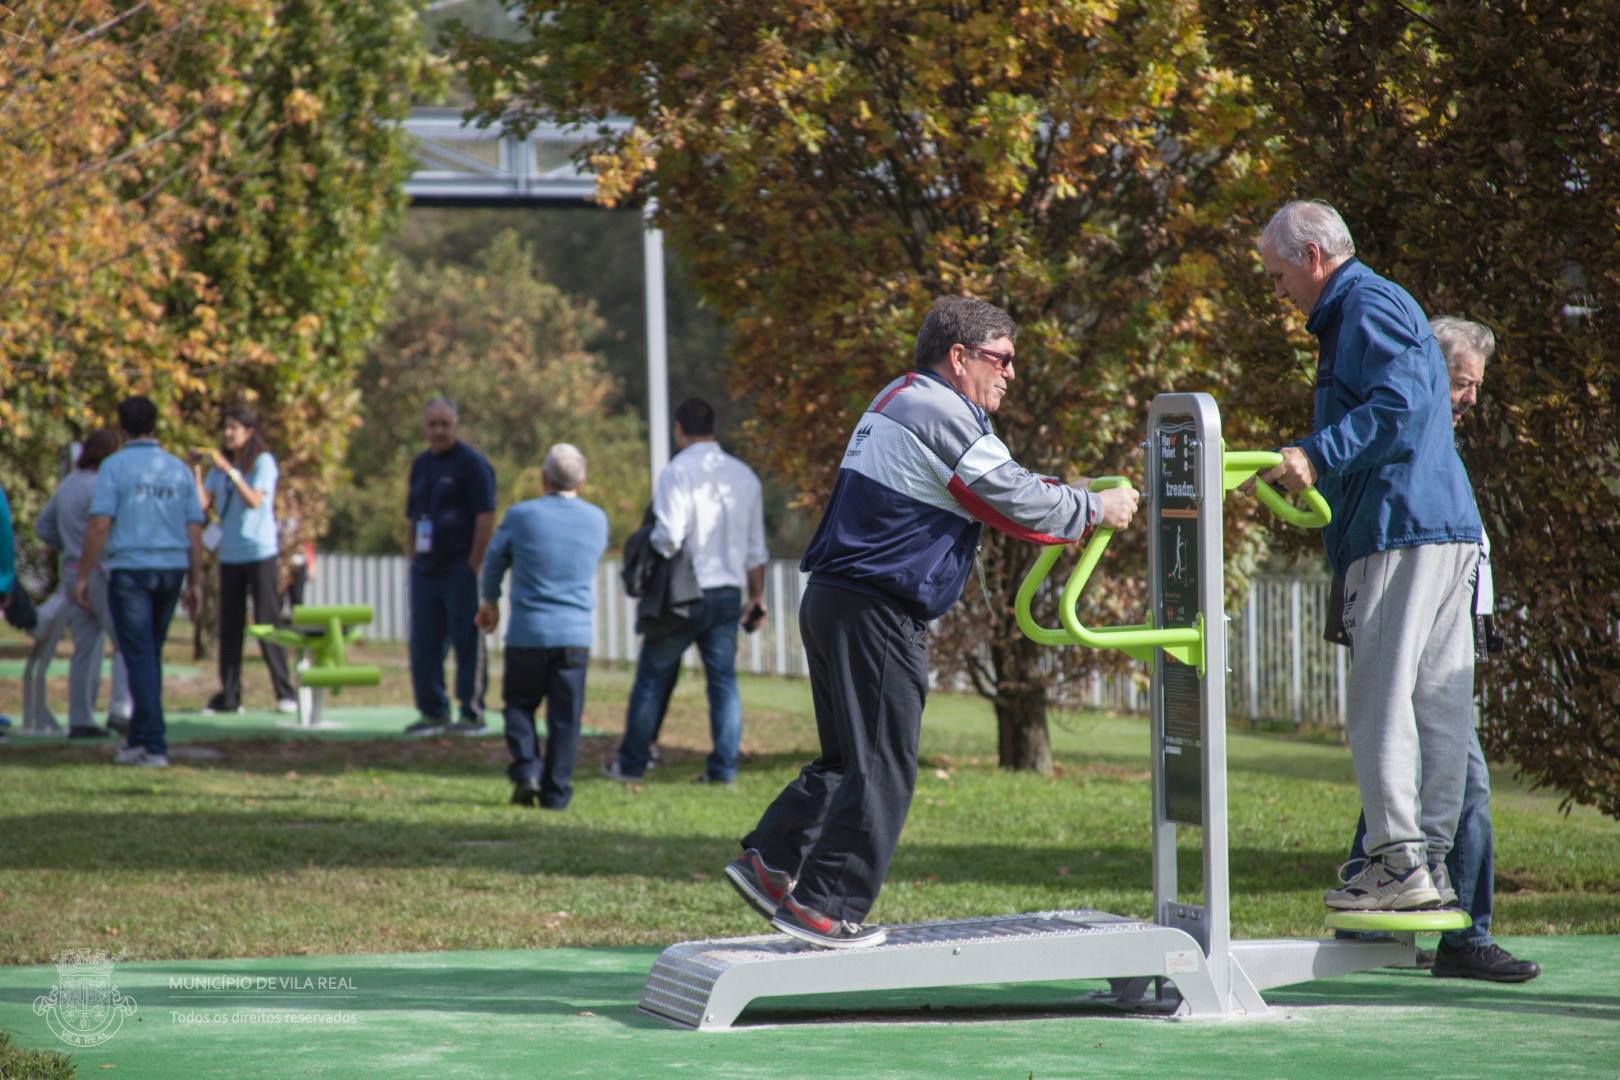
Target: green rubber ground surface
13,669
358,722
571,1013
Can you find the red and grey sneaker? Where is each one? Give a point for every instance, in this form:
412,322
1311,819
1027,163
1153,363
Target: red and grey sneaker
809,925
757,883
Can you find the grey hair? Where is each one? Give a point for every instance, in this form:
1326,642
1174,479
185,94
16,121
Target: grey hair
564,467
446,402
959,320
1453,333
1304,222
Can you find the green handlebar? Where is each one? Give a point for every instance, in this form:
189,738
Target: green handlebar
1185,643
1238,465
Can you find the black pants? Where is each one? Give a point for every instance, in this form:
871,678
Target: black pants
836,826
556,676
236,582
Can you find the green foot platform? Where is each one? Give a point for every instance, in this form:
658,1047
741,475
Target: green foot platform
1395,921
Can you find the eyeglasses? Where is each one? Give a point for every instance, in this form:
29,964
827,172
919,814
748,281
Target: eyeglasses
1000,359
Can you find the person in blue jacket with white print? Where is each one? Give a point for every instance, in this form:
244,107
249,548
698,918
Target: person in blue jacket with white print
1405,537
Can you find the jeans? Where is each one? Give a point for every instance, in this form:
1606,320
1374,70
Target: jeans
1471,861
442,610
556,676
713,626
238,581
142,603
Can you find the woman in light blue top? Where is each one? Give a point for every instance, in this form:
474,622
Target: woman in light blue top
241,490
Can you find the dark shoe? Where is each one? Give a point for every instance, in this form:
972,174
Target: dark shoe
472,728
118,722
525,795
611,770
1425,959
218,706
809,925
705,778
90,732
757,883
1489,962
427,725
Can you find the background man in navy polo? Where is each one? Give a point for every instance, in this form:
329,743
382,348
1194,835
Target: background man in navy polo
551,545
1405,537
451,508
146,517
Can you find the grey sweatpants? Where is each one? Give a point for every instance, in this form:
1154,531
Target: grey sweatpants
1411,694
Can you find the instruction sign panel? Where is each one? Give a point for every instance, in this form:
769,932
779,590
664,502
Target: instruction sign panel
1177,523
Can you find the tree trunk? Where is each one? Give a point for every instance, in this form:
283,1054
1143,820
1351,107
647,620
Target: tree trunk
1022,735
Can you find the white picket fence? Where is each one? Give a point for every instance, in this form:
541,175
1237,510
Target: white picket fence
1281,669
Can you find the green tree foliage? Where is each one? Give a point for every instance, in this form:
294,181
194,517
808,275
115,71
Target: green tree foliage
1472,148
826,168
510,350
200,196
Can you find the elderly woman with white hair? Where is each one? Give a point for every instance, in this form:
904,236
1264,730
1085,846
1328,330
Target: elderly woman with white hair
551,545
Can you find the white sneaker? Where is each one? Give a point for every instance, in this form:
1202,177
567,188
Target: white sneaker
1442,882
287,705
154,761
1380,887
129,755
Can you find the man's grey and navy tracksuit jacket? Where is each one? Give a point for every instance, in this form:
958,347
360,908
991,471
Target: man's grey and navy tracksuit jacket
922,472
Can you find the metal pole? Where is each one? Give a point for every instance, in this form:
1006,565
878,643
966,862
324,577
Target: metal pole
652,252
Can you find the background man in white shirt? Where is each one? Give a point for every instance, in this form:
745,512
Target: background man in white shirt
708,503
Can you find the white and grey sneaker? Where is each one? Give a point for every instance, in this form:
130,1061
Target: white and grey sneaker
129,755
1380,887
1442,882
287,705
154,761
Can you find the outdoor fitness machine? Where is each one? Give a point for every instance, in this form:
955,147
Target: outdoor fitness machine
318,634
1183,962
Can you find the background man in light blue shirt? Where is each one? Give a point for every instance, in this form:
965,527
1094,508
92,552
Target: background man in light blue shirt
146,517
551,545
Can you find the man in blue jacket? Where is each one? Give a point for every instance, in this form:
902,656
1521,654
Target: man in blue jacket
1405,537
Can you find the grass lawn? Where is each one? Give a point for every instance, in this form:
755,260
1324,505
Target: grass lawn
282,845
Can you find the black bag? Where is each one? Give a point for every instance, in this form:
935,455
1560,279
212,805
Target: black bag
1334,633
20,609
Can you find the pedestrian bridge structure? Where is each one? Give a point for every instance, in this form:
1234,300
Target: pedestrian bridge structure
460,164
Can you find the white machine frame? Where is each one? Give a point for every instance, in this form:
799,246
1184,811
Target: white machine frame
1183,963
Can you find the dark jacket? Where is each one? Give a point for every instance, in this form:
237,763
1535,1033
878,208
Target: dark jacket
666,589
1382,438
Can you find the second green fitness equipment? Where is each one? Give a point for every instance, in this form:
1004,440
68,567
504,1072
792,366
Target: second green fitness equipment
320,634
1188,475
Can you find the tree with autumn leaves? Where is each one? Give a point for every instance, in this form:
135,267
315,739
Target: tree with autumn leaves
1100,170
198,194
827,168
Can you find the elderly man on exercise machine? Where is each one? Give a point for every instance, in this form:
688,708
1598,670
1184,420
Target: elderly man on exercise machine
1405,537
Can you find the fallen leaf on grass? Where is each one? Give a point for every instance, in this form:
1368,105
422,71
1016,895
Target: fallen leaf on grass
1063,871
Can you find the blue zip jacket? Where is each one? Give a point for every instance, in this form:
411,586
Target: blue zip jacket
1382,442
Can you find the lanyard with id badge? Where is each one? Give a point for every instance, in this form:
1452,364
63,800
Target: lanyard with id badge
424,536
